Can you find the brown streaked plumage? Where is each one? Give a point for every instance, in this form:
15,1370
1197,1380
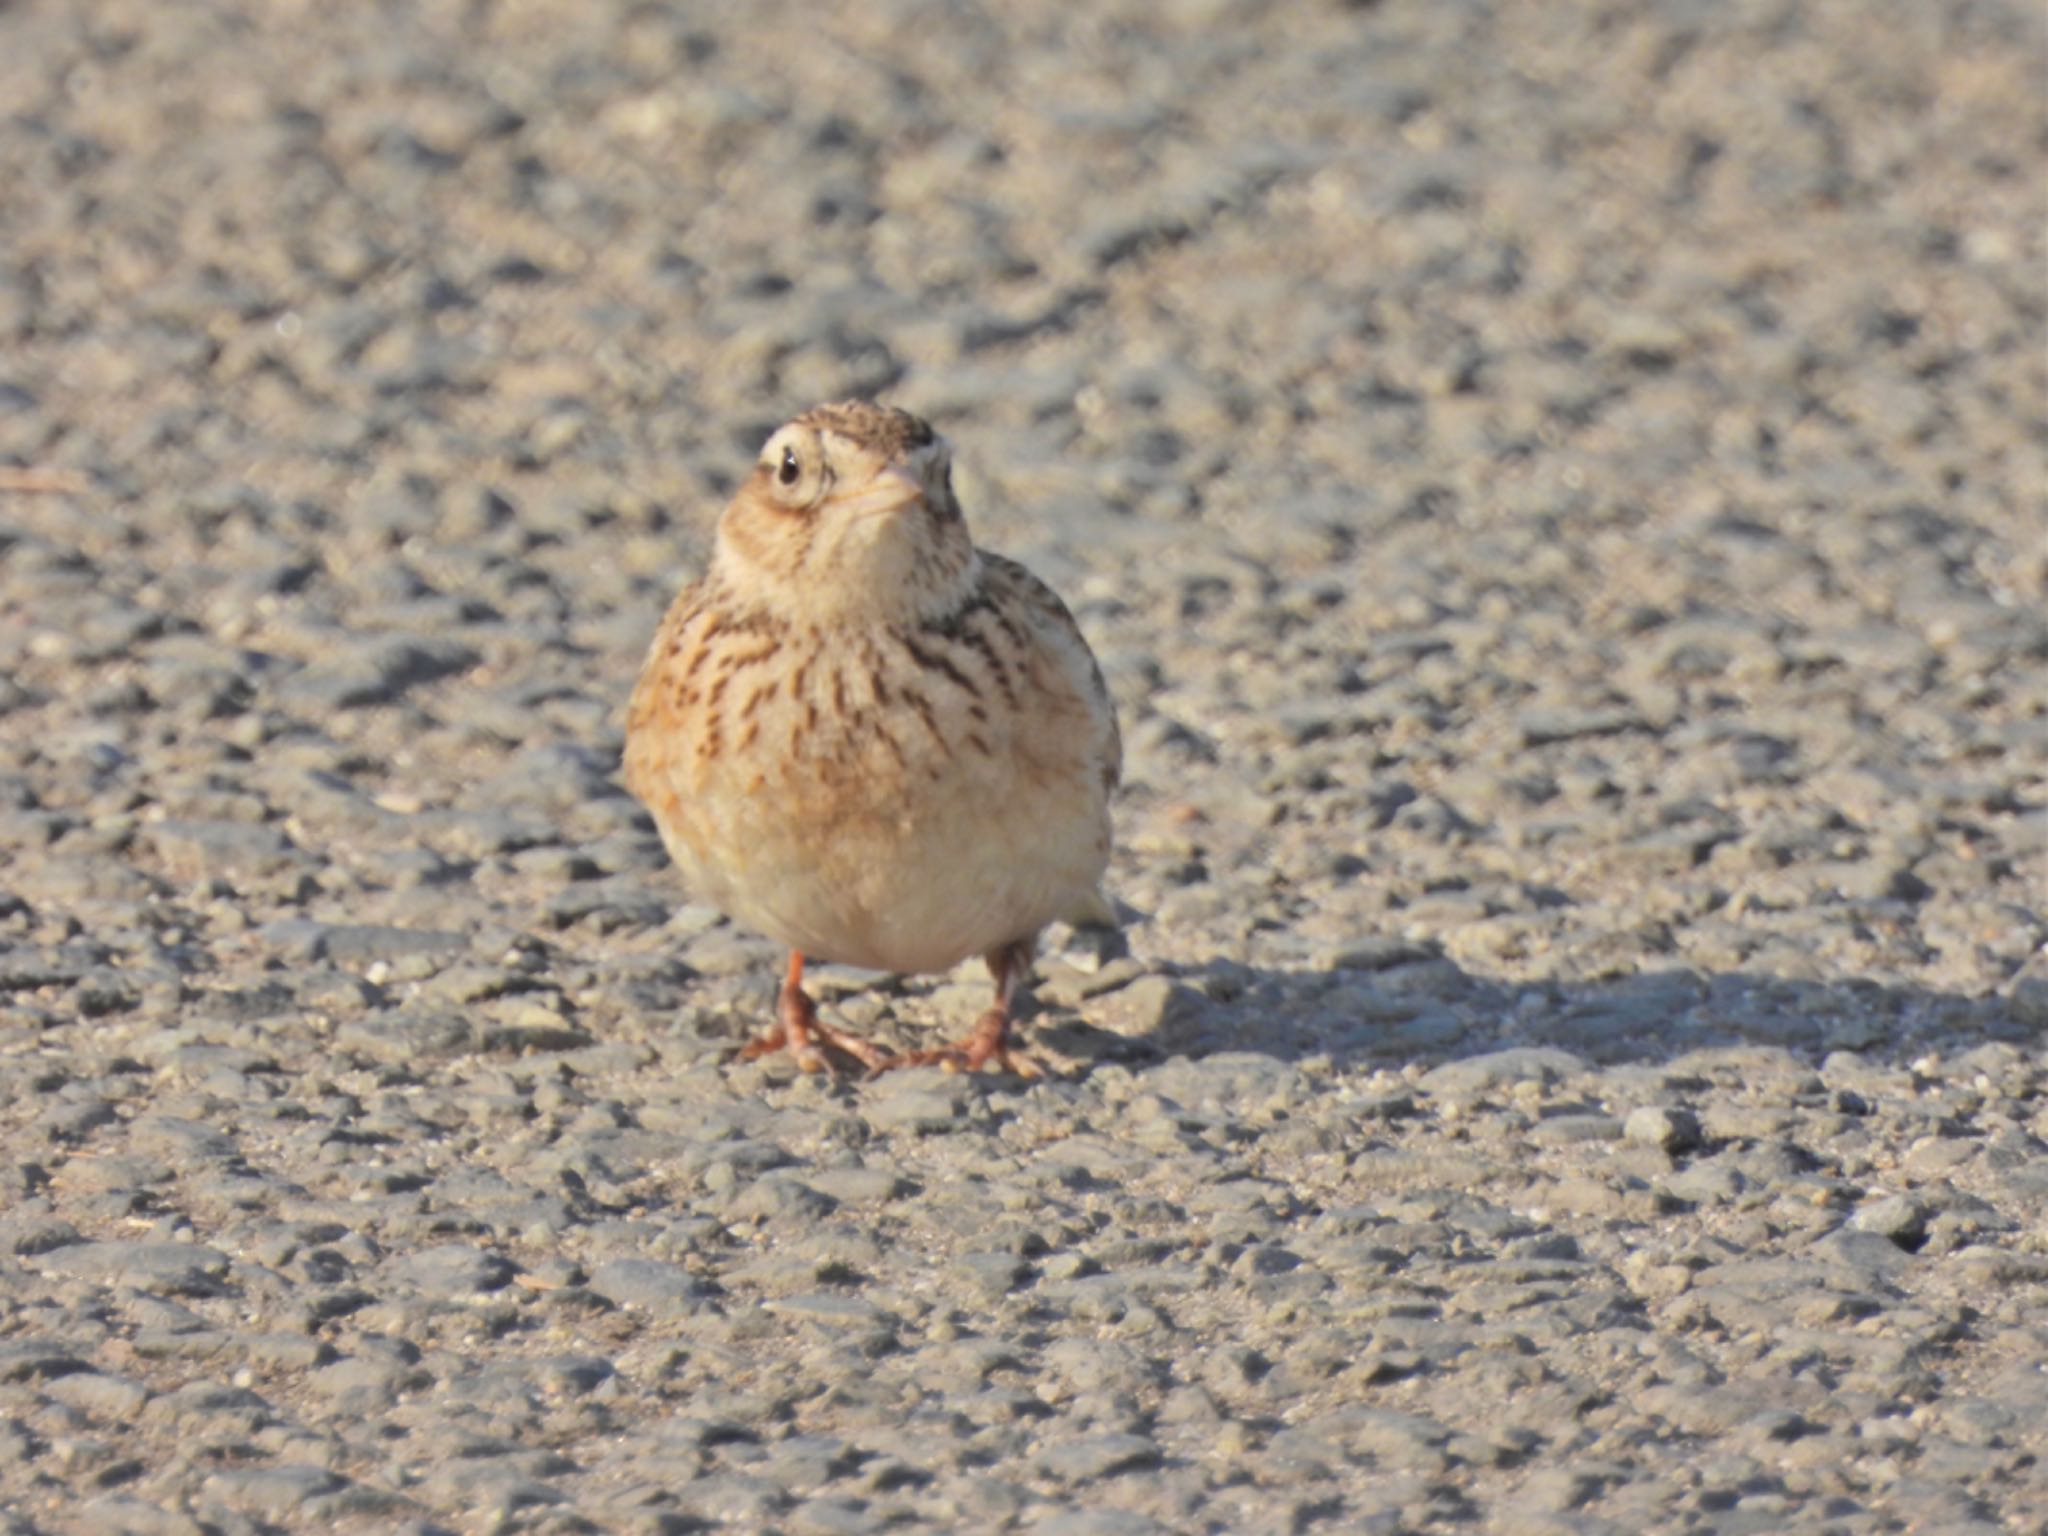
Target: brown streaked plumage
870,740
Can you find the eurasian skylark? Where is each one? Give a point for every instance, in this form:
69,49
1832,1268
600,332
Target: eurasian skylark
870,740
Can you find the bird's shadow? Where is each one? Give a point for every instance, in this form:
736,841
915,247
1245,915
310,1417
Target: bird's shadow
1401,1005
1411,1005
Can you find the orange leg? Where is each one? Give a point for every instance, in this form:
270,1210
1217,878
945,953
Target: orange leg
989,1040
799,1030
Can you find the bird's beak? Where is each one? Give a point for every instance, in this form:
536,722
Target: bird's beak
890,491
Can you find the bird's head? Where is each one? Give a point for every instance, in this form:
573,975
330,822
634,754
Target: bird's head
849,514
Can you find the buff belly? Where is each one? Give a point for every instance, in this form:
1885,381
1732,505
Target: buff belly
908,894
921,867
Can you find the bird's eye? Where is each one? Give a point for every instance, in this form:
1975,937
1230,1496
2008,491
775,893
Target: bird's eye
790,470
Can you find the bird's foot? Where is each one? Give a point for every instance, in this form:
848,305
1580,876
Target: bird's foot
811,1042
989,1041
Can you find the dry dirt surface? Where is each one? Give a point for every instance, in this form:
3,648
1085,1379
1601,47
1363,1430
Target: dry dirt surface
1558,493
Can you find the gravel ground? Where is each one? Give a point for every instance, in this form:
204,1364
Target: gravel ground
1557,491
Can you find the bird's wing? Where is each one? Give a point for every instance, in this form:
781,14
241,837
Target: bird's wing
648,743
1015,583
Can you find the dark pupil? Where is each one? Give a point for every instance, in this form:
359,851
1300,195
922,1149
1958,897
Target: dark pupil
790,469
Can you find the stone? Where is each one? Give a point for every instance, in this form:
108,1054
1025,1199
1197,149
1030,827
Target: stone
1094,1457
1674,1130
176,1269
450,1271
650,1283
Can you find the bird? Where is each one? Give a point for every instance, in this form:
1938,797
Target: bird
872,741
